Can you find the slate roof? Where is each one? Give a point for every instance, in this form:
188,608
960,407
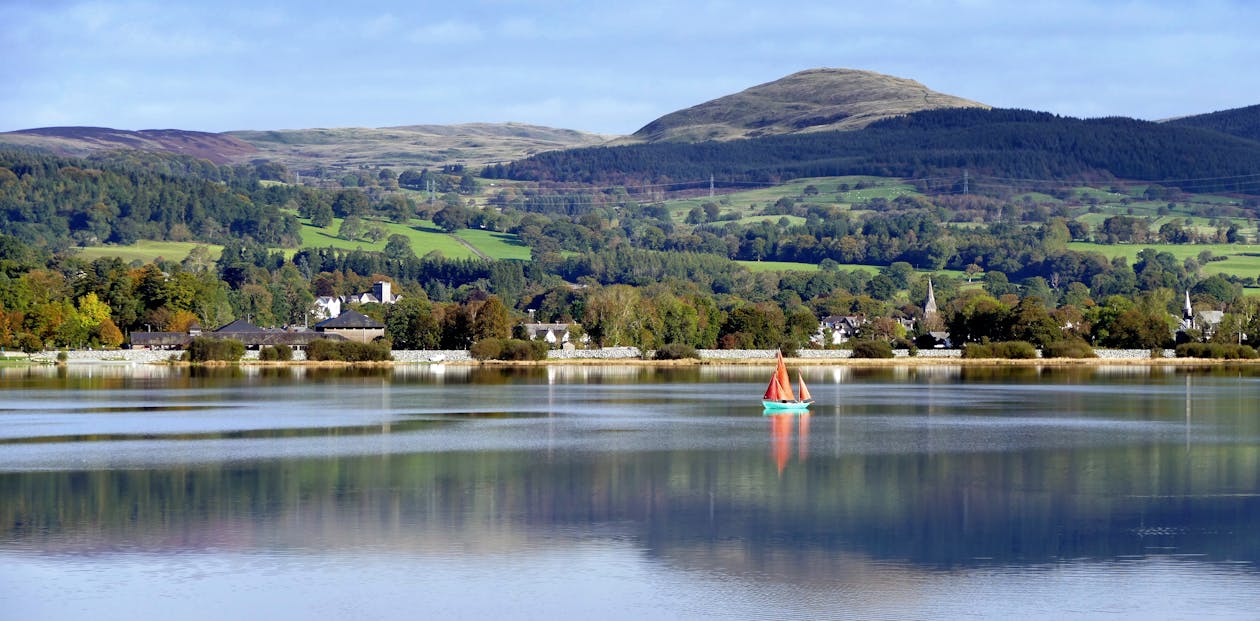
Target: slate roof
240,325
351,319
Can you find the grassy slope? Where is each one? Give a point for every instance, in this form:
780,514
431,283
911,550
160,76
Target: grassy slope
1236,264
424,235
146,251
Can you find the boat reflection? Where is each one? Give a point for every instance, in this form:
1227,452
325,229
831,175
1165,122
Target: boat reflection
781,427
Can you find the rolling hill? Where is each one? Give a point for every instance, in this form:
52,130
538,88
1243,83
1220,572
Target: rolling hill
1241,122
82,141
808,101
411,146
311,150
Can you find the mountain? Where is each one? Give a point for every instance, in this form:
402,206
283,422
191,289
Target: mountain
329,150
808,101
1241,122
81,141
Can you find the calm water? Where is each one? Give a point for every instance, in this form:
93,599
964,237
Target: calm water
628,493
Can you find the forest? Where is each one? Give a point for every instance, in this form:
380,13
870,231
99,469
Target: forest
1017,144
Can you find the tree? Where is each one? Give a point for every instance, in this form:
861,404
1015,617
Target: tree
410,324
491,321
977,316
452,218
1138,329
1030,321
351,228
321,215
350,203
399,247
399,208
609,314
468,185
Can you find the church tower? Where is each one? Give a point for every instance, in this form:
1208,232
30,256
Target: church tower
929,307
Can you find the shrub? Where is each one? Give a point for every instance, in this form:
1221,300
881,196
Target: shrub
518,349
347,351
1225,351
1011,350
509,349
276,353
1072,348
486,349
206,349
871,349
676,351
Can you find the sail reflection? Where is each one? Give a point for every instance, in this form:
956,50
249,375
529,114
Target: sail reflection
781,431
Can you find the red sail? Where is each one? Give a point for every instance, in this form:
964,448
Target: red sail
774,392
780,388
805,396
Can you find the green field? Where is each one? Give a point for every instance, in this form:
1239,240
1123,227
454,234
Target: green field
788,266
504,246
424,235
778,266
745,203
146,251
792,220
1239,262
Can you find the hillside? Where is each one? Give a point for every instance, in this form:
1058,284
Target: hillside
1241,122
310,150
808,101
1016,144
81,141
410,146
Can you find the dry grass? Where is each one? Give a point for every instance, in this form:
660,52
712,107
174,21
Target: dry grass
812,100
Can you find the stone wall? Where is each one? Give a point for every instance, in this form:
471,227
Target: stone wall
144,356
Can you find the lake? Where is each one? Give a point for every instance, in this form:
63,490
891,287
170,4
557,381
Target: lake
628,492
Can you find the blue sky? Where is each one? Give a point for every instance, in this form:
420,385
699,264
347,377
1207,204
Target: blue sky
602,67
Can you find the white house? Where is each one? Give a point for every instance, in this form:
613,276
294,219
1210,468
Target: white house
553,333
840,327
329,307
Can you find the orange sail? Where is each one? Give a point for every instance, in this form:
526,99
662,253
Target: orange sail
805,396
780,388
775,391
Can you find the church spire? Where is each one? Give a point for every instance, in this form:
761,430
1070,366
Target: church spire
1187,311
929,307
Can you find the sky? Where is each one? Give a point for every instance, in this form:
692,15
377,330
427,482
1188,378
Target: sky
604,67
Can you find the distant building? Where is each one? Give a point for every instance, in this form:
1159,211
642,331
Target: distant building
330,306
840,328
1205,322
251,335
553,333
352,325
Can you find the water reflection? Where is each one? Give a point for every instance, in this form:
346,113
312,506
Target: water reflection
783,428
896,480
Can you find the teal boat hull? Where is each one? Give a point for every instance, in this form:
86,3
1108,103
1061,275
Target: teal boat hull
790,406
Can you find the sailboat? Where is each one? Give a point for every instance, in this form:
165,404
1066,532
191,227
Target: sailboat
779,395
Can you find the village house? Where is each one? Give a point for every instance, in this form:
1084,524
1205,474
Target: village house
252,336
330,306
555,334
836,329
353,326
1204,322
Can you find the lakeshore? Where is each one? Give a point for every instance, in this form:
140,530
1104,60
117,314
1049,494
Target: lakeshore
630,356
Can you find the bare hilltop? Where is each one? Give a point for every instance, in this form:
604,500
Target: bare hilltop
807,101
